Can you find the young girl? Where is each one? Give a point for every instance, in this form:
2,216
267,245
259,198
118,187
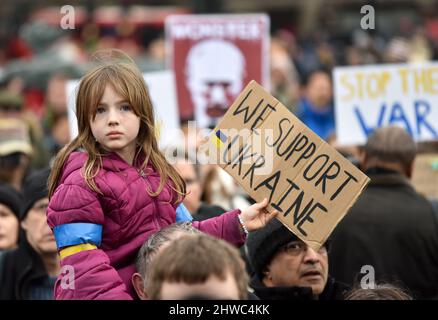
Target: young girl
111,188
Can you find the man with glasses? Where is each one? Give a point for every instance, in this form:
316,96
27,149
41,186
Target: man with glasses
29,272
286,268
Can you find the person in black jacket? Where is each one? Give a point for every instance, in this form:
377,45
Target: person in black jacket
286,268
29,272
390,234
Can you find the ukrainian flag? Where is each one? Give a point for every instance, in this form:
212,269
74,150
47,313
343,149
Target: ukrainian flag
220,138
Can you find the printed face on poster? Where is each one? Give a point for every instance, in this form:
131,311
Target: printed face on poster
214,57
370,97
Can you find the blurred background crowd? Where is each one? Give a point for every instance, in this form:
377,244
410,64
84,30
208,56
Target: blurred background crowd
308,39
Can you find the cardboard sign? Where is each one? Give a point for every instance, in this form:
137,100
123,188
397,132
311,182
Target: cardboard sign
273,155
161,86
369,97
214,57
425,174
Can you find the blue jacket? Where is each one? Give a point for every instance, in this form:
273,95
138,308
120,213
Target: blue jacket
322,122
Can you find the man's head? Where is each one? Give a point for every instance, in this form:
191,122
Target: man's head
319,89
391,148
215,70
383,291
279,258
33,219
198,266
158,241
189,171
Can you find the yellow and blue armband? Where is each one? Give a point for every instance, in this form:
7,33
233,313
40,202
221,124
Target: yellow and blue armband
72,238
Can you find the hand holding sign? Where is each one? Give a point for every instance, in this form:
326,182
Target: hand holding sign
257,215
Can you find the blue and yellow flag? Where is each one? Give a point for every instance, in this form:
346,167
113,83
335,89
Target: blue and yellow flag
220,138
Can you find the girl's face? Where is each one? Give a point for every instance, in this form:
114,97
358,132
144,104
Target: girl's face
115,125
8,228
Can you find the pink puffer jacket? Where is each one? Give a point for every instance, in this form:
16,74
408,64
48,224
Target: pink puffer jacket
128,216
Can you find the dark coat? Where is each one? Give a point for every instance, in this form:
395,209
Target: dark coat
391,228
20,267
206,211
333,291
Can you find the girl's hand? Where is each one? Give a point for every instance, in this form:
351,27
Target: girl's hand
257,216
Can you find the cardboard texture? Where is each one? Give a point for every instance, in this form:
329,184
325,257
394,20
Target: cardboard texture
425,174
273,155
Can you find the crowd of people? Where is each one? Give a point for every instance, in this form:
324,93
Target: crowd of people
191,232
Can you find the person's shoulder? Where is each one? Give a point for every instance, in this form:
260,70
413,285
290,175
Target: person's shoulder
71,170
75,160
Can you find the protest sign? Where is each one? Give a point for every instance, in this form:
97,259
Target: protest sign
214,57
273,155
369,97
425,174
161,87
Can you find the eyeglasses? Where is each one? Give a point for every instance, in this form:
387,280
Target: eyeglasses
295,248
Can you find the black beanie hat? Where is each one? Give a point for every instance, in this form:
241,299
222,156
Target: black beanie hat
34,189
264,243
10,198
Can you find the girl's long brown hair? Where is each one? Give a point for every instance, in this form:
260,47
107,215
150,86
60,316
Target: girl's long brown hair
118,70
